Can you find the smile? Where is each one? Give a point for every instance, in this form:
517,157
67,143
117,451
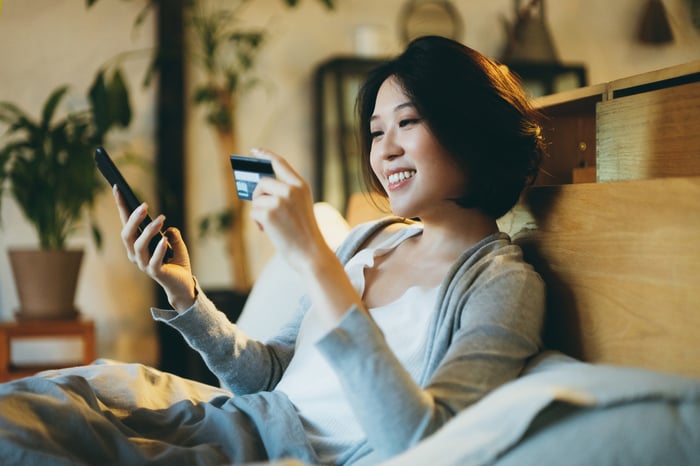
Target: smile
400,176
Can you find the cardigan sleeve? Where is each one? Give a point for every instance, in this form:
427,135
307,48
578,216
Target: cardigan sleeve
243,364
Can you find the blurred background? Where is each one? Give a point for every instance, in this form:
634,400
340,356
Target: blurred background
293,51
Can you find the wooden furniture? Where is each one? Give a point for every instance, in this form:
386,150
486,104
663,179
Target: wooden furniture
644,126
545,78
649,126
622,265
82,329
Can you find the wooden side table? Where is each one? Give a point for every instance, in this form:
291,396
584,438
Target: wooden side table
82,329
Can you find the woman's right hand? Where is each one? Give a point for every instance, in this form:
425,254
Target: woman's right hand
174,276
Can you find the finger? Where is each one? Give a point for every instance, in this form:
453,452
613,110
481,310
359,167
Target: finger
269,186
175,240
157,259
283,170
121,205
142,253
130,231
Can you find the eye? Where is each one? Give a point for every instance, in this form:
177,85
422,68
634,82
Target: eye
375,134
409,121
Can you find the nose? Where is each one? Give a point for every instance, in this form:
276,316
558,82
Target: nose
388,147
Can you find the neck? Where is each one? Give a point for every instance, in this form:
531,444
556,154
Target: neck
449,235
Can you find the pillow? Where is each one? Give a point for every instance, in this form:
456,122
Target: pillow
562,411
278,289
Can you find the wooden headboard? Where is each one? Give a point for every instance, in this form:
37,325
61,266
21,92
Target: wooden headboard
622,265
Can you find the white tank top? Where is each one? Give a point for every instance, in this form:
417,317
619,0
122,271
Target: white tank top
310,382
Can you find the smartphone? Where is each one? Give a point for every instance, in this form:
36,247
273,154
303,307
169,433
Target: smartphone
247,172
113,176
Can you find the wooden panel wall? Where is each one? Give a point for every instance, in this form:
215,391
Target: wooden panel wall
622,266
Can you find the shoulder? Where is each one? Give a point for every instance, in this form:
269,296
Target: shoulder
369,234
496,265
495,285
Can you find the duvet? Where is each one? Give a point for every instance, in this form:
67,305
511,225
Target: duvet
560,411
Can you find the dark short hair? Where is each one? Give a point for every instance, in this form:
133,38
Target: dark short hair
475,108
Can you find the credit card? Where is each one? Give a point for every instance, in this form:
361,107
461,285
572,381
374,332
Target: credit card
247,172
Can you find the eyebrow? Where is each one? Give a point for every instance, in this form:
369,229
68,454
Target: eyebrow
396,109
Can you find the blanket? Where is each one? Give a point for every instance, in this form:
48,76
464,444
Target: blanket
560,411
129,414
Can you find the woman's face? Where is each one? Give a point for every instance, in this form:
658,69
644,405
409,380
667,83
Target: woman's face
417,173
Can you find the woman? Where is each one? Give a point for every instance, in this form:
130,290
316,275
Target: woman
411,321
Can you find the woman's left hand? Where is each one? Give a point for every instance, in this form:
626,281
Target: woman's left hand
283,208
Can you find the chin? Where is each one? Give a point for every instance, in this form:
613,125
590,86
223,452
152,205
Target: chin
402,211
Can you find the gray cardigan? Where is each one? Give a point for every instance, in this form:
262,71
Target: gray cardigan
488,322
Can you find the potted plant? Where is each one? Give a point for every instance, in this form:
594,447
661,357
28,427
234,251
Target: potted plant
47,166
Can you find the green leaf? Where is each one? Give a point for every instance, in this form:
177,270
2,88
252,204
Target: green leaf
204,94
119,106
150,71
10,113
216,223
96,235
99,100
51,104
141,17
219,118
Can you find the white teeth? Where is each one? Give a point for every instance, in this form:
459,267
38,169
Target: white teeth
400,176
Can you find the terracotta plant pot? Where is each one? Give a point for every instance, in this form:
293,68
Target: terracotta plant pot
46,281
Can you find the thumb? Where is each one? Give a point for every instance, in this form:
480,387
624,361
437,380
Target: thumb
174,237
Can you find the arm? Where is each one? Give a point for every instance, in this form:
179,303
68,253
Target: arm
283,208
489,326
228,352
245,365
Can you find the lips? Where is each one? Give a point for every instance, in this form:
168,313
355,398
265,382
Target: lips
396,179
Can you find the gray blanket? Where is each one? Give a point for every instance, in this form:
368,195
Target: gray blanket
129,414
559,412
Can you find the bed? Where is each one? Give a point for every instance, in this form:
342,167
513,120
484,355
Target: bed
619,382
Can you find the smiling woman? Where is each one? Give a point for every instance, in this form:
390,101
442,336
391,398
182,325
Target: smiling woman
405,154
476,111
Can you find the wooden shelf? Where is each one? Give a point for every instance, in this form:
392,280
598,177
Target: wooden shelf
572,98
642,126
82,329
